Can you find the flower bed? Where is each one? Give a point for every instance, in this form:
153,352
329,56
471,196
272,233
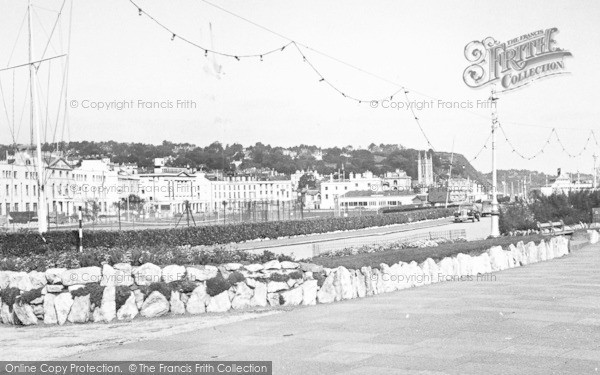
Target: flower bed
122,291
21,244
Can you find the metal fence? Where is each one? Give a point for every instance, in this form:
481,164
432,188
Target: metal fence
332,245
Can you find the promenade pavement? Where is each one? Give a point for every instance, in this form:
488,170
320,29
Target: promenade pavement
543,318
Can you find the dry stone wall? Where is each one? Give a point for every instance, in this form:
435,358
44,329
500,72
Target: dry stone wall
123,292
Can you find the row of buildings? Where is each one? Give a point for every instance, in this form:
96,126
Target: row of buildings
100,185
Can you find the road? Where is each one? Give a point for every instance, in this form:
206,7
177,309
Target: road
538,319
303,247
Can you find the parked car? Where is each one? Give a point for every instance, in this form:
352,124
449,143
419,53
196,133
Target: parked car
466,212
486,208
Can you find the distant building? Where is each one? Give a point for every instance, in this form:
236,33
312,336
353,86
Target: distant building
425,169
370,200
332,189
397,180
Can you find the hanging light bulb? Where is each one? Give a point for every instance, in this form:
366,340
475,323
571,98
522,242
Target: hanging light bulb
140,11
173,37
282,48
237,58
322,79
205,53
261,59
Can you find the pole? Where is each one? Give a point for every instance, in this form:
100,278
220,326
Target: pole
80,230
594,185
495,230
449,174
119,207
42,209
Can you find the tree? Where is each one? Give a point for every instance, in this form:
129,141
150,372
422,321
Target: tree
307,181
135,203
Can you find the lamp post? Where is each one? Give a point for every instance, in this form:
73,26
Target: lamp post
224,213
495,230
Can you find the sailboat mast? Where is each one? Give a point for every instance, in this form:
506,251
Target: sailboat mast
42,216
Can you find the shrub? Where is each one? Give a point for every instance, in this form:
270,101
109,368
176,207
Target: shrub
18,244
217,285
236,277
122,294
94,290
320,277
183,286
29,296
279,277
9,296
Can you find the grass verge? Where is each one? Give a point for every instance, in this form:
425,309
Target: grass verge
421,254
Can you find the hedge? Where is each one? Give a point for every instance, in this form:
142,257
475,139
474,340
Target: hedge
19,244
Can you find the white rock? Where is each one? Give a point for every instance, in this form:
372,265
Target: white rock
219,303
198,300
5,277
309,267
272,265
129,310
243,295
62,305
147,274
53,275
139,298
54,288
155,305
368,274
24,314
38,279
81,276
49,309
343,284
276,286
273,299
259,298
593,236
177,305
6,315
292,297
498,259
75,287
173,273
201,273
123,274
532,253
360,285
309,292
254,267
446,269
542,251
289,265
80,311
233,266
21,281
108,310
327,292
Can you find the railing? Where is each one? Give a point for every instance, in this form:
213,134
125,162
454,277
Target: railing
328,246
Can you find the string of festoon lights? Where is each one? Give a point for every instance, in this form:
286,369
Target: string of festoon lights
299,48
554,133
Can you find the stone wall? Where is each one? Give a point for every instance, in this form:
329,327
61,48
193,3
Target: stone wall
123,292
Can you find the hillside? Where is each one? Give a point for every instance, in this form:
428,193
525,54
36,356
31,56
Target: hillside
377,158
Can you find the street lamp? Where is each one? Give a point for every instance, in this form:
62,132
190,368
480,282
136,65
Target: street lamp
224,213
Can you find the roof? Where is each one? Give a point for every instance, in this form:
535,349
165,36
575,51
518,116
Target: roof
370,193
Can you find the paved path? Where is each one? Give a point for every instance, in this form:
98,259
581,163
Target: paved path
539,319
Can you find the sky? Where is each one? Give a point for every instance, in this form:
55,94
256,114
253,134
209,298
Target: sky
115,55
